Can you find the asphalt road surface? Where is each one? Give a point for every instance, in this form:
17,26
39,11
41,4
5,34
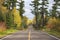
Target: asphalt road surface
29,34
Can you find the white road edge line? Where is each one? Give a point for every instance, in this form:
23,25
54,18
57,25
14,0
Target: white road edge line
29,35
6,37
53,36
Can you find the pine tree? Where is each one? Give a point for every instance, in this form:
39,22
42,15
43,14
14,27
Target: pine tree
40,11
1,14
10,4
54,11
25,21
21,10
44,11
35,11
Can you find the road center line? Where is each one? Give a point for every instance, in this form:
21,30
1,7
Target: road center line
29,35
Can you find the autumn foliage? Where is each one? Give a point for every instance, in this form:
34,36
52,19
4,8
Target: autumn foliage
53,24
2,26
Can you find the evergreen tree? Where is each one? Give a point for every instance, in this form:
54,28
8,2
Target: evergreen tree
44,11
54,11
10,4
40,9
21,10
35,11
25,21
1,16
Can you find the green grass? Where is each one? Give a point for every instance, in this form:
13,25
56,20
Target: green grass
54,33
7,32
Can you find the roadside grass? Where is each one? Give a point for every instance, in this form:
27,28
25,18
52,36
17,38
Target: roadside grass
54,33
7,32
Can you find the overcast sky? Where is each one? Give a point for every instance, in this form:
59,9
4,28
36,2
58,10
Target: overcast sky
28,7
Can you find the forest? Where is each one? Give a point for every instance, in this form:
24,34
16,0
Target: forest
12,19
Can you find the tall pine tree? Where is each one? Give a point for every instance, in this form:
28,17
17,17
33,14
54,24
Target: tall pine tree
35,10
40,9
44,11
21,10
54,12
10,4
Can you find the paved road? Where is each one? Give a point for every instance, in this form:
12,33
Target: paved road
29,34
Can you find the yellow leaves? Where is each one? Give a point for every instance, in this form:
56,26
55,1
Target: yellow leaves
1,1
53,23
3,9
29,22
14,10
52,20
17,18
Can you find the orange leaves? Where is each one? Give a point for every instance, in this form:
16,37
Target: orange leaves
2,26
53,23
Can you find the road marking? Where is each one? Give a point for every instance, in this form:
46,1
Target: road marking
29,35
6,37
52,36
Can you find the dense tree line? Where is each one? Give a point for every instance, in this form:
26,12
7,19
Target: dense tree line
12,12
40,9
42,15
54,12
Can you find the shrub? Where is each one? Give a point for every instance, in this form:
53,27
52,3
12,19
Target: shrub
17,18
53,24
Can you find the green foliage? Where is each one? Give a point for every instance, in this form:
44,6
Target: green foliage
25,21
17,18
7,3
1,16
39,12
21,10
7,32
9,20
54,33
35,11
54,11
57,26
9,14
